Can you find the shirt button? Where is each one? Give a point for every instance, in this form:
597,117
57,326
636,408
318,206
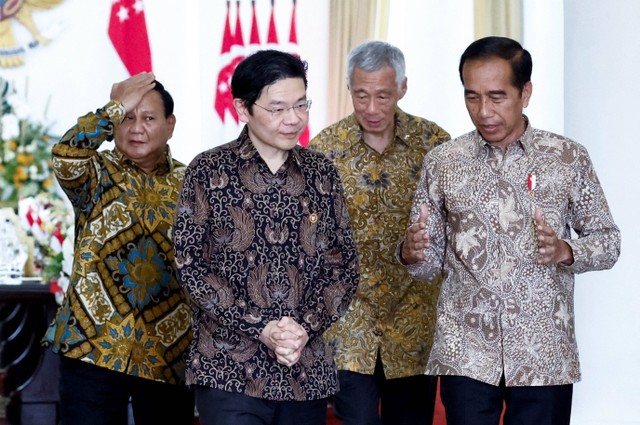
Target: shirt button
377,332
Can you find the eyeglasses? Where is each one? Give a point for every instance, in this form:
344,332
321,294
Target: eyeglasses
298,108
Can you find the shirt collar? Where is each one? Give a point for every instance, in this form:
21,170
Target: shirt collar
401,131
164,168
248,150
524,142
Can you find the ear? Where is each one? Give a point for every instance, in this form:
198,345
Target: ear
403,88
526,93
171,122
241,109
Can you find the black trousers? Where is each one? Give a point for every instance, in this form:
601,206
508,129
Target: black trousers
92,395
470,402
217,407
375,400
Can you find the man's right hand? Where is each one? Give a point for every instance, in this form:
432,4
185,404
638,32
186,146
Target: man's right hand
416,239
130,91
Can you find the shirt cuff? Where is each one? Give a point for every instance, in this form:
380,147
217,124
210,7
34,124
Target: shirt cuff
116,112
399,253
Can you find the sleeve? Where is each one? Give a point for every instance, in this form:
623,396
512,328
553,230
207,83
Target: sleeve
340,273
76,152
428,193
598,244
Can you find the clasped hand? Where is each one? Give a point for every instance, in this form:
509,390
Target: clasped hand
286,338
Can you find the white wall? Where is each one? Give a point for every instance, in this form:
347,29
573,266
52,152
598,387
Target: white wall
602,59
432,35
543,30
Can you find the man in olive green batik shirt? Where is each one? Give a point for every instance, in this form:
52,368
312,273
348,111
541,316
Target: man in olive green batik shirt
383,342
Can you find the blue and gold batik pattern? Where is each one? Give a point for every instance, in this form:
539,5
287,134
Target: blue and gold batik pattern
124,309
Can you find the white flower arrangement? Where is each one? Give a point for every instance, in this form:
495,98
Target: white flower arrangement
25,149
27,184
49,220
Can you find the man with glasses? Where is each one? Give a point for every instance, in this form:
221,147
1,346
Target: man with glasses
264,249
383,342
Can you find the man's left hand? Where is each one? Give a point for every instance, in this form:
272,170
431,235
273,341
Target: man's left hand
551,250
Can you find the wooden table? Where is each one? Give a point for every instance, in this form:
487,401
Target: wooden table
29,373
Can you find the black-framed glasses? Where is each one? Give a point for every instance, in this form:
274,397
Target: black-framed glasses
298,108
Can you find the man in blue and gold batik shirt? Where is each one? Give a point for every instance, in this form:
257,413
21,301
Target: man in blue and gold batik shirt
124,323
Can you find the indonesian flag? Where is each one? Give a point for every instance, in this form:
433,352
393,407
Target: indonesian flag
128,33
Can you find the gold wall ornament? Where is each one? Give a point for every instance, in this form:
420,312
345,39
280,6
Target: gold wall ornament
12,53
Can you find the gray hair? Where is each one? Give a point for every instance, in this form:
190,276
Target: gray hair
374,55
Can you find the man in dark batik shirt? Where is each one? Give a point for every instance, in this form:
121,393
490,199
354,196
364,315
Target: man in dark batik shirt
264,249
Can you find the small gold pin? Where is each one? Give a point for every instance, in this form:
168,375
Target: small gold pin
313,218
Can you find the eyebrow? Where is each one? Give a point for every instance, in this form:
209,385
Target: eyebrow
491,92
375,92
280,102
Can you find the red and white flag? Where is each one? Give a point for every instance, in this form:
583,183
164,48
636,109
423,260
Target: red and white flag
234,49
254,39
223,102
128,33
272,35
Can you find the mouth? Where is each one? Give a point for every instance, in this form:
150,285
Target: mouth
489,128
293,135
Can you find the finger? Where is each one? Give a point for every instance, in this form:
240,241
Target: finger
538,216
414,228
288,359
424,214
284,321
287,345
130,91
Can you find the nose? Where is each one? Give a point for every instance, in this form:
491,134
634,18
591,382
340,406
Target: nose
291,116
486,109
136,125
371,107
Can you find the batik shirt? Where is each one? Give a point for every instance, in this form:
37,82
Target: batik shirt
391,312
254,246
124,309
499,311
